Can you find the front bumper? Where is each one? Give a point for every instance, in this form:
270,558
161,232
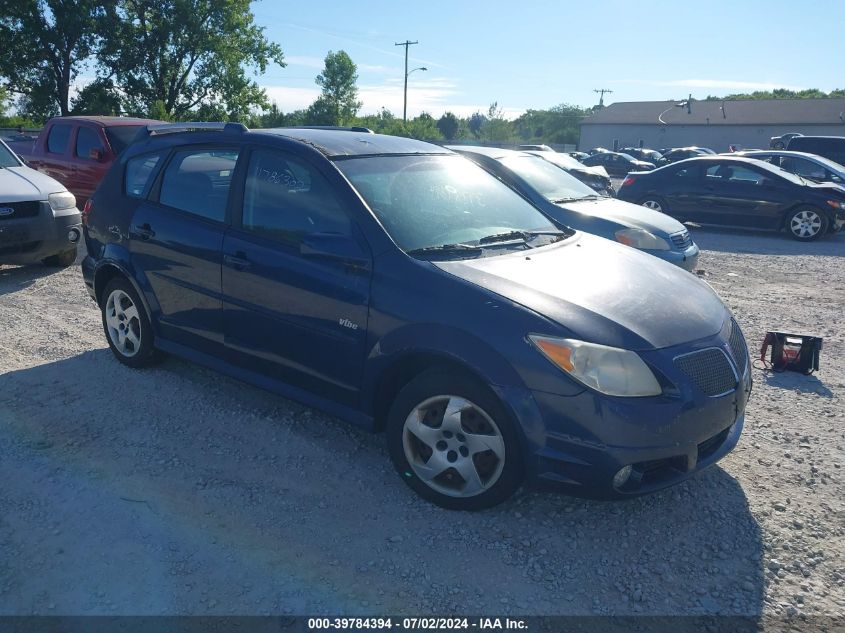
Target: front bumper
588,438
686,259
31,239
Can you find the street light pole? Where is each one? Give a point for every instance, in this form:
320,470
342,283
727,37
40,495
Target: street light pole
406,44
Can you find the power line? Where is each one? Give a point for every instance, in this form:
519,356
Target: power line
602,92
406,44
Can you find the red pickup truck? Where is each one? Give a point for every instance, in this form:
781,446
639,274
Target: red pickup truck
78,150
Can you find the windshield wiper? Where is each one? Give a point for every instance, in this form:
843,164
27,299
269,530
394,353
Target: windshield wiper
508,236
590,197
447,249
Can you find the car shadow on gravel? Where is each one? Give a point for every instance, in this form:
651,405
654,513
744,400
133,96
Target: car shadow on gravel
16,278
765,243
153,484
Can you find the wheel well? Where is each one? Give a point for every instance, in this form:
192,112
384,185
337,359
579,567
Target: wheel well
400,373
102,278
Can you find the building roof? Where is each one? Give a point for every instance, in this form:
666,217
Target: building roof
738,112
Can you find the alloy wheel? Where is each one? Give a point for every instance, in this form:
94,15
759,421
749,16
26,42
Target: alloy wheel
653,204
453,446
805,224
123,323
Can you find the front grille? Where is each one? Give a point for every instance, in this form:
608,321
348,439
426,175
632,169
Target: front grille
19,210
682,240
739,349
709,369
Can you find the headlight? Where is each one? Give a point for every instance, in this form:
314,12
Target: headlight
613,371
61,201
836,204
640,238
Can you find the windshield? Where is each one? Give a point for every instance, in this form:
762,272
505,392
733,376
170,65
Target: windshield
550,181
7,158
628,156
429,201
780,172
120,136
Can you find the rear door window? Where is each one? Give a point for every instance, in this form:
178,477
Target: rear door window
286,199
87,139
198,181
139,172
58,139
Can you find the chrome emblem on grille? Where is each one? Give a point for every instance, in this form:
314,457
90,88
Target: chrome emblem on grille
4,211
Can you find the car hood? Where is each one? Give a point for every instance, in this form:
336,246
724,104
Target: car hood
643,164
838,191
602,292
595,171
627,214
19,184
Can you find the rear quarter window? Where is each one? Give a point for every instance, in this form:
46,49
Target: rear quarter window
139,174
58,138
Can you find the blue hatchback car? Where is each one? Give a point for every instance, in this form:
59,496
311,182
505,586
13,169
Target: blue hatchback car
394,284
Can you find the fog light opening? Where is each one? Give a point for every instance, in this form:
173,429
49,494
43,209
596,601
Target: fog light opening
73,236
621,477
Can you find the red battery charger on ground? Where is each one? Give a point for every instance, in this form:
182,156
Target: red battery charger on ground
791,352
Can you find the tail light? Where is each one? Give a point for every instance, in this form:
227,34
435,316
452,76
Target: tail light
630,180
86,211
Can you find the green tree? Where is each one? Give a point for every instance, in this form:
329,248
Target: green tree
449,126
423,127
98,97
183,54
338,104
45,43
475,123
496,127
781,93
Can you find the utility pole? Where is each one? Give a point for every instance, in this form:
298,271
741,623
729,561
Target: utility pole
602,92
406,44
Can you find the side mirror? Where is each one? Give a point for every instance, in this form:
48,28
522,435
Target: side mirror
96,154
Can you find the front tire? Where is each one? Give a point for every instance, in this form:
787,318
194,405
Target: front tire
806,224
453,442
126,325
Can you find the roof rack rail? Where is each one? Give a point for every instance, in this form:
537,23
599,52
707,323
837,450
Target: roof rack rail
199,126
338,128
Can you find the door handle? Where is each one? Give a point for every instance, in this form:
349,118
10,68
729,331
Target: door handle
238,261
145,231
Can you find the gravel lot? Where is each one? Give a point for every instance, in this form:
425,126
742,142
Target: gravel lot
177,491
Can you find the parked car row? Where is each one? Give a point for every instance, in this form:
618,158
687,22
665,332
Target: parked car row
403,287
739,191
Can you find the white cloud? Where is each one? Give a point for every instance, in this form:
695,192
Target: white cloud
434,95
303,60
289,99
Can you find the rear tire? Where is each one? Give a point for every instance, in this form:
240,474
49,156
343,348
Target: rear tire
806,224
453,442
654,203
61,260
126,325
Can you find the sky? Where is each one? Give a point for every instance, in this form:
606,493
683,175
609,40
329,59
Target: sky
534,54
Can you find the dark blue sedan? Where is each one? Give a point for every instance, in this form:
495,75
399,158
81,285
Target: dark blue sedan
399,286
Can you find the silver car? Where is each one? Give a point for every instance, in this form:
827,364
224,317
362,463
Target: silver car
808,166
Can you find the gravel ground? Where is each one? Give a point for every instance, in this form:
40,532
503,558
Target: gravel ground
177,491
